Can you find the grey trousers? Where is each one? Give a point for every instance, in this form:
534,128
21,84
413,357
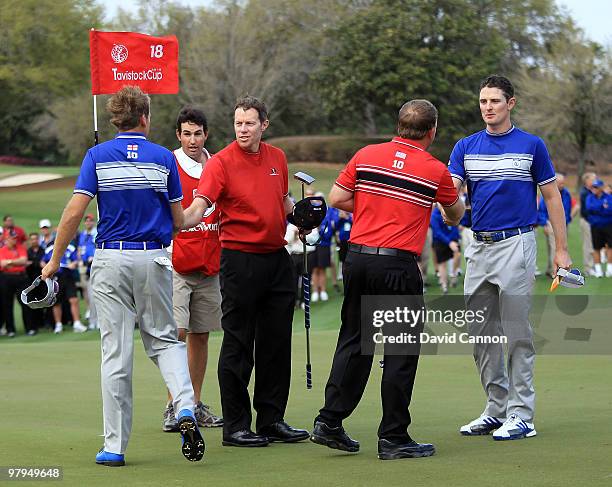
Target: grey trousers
128,286
500,277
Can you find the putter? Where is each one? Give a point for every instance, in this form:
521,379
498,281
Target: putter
305,179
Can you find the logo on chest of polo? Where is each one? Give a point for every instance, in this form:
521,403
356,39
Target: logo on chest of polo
273,171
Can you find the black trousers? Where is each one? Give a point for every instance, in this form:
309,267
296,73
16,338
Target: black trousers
258,296
11,286
372,275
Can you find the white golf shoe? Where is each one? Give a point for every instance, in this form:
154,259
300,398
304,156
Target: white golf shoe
514,428
483,425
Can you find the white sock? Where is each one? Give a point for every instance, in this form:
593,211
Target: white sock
598,268
77,323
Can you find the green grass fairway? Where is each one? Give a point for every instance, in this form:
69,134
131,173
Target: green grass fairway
51,412
51,415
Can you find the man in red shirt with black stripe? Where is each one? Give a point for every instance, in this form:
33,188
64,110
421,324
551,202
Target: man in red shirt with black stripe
248,181
390,188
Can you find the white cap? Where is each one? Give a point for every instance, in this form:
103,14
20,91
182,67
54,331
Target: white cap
45,222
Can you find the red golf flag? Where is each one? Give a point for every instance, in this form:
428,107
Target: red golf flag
130,58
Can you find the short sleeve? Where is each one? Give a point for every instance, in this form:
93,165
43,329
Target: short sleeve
542,168
447,194
456,165
87,182
212,181
348,176
175,191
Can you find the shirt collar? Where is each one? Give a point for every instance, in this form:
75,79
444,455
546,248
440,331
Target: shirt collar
500,134
409,142
130,135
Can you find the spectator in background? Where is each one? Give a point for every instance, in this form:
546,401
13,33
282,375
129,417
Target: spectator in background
599,212
46,235
86,247
543,220
9,228
13,280
33,319
343,233
585,226
446,247
67,288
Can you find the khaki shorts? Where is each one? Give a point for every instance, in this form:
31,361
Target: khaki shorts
196,302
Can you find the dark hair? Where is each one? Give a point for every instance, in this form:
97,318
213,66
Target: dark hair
33,234
193,115
6,217
501,82
247,102
416,118
127,106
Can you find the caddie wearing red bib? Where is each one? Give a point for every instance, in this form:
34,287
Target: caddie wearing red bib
196,299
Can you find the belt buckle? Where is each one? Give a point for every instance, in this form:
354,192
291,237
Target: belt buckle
487,238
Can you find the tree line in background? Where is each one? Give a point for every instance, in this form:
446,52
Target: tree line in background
322,66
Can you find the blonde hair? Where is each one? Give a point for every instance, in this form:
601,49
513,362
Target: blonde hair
127,106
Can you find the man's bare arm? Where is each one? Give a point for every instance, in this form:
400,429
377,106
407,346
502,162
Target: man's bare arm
556,215
66,230
453,214
178,218
193,215
288,205
341,199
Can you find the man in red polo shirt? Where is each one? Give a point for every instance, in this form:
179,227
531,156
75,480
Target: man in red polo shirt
390,188
13,278
248,181
9,227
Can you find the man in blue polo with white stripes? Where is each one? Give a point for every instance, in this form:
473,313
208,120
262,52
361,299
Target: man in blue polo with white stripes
503,166
139,200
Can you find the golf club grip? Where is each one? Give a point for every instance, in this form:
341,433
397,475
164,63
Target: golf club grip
308,377
306,289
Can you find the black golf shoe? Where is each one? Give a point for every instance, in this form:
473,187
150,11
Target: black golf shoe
282,432
245,438
335,438
389,450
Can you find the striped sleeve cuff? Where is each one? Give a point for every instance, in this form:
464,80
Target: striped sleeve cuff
344,187
446,206
197,195
176,199
82,191
546,181
456,176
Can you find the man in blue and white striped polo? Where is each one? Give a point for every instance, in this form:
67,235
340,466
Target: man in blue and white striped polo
139,200
503,166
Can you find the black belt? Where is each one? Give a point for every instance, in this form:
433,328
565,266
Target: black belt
497,236
364,249
130,245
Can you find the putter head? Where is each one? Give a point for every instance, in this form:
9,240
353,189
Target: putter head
567,278
303,178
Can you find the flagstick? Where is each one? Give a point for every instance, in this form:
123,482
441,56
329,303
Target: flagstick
95,119
96,140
